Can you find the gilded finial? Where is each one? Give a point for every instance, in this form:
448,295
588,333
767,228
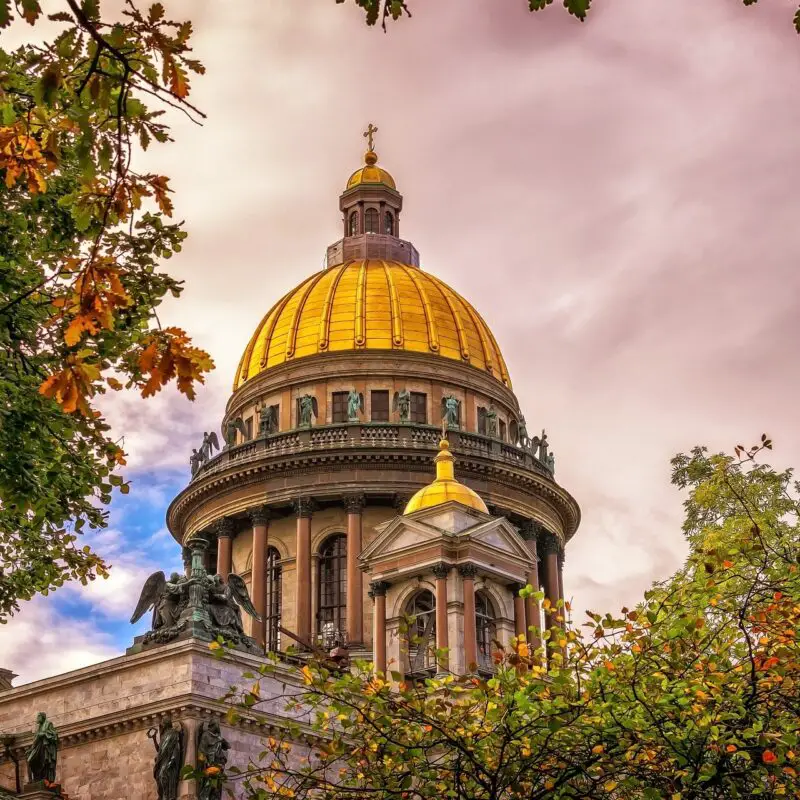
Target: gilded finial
368,134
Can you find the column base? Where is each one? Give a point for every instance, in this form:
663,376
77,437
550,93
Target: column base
38,790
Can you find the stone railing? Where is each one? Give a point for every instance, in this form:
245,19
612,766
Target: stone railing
347,436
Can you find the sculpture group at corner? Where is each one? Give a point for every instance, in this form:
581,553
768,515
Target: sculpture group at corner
200,605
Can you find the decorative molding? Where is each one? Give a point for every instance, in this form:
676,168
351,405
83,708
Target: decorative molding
303,507
224,528
259,516
468,571
354,503
441,570
378,588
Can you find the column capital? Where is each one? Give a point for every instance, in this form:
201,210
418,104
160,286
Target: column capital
303,506
400,502
547,543
516,588
224,528
468,571
354,503
259,515
441,570
378,588
198,542
531,529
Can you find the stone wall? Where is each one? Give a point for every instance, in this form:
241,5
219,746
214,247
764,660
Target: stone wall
103,712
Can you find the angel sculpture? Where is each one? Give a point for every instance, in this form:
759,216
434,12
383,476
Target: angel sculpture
164,597
543,447
210,443
402,405
355,403
450,410
231,427
227,601
307,406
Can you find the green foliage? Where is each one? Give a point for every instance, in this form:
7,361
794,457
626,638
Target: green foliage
82,235
693,694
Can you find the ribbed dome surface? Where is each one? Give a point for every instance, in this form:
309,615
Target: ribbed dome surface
372,305
371,174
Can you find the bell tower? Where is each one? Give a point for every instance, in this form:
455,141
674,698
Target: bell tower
371,206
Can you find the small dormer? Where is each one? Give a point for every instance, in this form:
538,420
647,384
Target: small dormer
371,206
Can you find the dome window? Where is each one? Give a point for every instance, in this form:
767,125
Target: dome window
388,224
333,590
371,220
272,618
352,225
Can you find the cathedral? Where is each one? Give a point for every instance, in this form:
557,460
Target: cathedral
374,466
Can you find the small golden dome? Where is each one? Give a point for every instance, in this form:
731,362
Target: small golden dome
445,487
371,173
372,305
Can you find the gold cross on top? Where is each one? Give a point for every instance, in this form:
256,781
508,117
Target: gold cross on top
368,133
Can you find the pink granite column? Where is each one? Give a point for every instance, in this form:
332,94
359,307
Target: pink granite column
355,583
468,572
224,530
259,517
440,572
378,594
303,510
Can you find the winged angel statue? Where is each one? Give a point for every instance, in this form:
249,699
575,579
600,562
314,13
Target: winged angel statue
174,602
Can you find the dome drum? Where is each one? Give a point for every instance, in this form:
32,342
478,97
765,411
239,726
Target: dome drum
372,246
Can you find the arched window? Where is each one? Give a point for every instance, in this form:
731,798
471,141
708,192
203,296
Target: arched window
484,630
422,633
333,590
388,223
352,225
371,220
272,616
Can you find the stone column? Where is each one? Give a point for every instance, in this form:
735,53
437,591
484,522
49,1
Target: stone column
519,610
532,608
187,561
440,572
303,510
188,789
561,558
377,591
548,546
224,530
259,517
355,583
468,572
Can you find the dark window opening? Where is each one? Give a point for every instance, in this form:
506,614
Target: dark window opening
388,225
421,638
482,420
371,220
248,429
379,403
352,228
419,408
332,616
502,428
339,407
272,616
485,631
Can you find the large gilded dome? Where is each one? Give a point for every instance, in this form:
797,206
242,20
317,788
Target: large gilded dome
372,305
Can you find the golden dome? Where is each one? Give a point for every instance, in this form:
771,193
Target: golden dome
445,487
370,173
372,305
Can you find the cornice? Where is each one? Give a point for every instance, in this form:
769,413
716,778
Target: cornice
269,465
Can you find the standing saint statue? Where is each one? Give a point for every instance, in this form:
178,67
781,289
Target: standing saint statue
402,404
491,422
169,758
450,409
543,448
307,409
43,752
522,431
212,751
355,404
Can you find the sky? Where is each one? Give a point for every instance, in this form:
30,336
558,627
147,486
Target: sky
618,199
